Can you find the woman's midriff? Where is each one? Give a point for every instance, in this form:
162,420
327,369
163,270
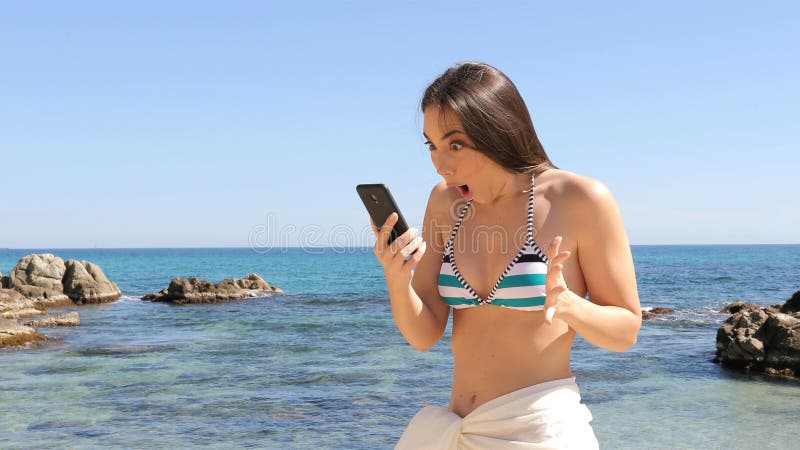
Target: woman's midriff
499,350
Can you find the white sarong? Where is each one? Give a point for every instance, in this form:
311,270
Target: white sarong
547,415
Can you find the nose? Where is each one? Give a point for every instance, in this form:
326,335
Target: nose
443,166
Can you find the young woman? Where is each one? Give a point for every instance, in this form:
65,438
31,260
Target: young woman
514,245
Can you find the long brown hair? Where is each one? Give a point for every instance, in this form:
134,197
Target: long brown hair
493,113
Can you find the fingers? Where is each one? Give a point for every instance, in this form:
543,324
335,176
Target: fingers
561,257
556,261
554,275
551,304
554,244
555,286
408,245
392,256
415,258
386,229
405,239
374,227
548,315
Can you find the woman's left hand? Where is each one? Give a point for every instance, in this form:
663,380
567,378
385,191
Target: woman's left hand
554,283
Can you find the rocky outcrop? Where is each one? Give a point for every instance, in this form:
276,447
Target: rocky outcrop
15,335
792,305
195,290
64,320
38,277
653,312
85,282
765,340
13,305
39,281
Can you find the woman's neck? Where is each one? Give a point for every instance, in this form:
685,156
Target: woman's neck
508,187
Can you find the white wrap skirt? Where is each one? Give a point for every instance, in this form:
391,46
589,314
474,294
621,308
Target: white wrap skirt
547,415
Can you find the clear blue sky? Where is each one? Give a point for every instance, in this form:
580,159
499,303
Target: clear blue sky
174,124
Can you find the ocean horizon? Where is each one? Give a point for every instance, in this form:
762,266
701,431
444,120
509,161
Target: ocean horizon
324,365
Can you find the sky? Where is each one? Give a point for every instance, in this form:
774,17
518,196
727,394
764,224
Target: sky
235,124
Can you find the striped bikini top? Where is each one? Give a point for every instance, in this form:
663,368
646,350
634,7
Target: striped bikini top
521,286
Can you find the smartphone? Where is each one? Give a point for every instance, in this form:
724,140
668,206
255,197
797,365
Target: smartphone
380,205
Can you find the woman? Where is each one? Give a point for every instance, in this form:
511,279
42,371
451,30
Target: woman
514,245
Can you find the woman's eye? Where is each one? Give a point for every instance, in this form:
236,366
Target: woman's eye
456,146
430,145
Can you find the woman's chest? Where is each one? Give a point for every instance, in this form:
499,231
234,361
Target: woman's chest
486,245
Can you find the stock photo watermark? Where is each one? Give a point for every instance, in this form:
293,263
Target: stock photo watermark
272,236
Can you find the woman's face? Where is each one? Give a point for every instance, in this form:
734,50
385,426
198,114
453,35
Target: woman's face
453,153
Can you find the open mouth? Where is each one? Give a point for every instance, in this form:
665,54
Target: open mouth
464,190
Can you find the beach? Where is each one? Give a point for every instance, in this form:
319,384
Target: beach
323,366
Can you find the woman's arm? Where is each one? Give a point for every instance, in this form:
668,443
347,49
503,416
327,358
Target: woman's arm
612,318
417,308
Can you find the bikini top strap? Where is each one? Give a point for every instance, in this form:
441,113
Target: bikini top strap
469,202
530,211
458,224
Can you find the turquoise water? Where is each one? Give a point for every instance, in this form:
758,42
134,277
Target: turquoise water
325,367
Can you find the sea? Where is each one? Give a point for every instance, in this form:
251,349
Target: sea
324,365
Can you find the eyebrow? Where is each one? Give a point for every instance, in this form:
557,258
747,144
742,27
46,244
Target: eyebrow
446,135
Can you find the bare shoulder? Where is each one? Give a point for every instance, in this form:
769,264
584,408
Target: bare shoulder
580,194
442,202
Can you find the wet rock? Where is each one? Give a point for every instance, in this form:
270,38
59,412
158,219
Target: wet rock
782,373
658,310
85,282
195,290
70,319
15,335
762,339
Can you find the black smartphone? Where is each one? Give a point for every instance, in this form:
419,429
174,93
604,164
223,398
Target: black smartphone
380,205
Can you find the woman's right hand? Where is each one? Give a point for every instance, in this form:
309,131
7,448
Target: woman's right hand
393,256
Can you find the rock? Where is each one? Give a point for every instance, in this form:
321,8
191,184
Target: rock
85,282
155,296
195,290
781,334
774,308
42,270
793,304
783,373
38,277
43,280
762,339
14,334
735,307
252,281
748,319
64,320
658,310
14,305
